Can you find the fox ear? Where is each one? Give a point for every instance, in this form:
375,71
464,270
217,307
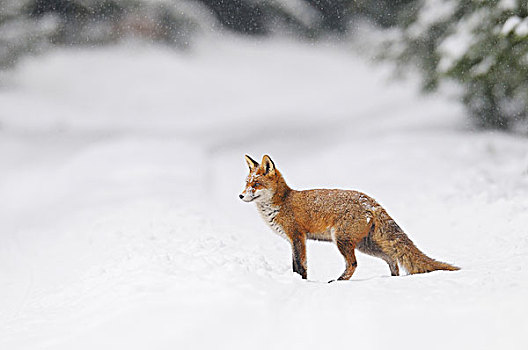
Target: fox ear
252,164
268,165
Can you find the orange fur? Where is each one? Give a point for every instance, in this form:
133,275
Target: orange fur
350,219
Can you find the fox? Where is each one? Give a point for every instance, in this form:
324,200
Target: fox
348,218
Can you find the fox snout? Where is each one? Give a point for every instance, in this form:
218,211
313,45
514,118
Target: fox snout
247,196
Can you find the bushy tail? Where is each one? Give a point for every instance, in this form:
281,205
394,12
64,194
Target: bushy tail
395,243
414,261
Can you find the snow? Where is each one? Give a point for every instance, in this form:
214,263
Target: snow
522,28
121,225
299,10
431,12
510,24
517,25
458,44
508,4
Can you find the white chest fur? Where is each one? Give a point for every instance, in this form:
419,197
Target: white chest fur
269,212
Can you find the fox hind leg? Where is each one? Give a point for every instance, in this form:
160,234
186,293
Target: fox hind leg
369,246
393,266
346,248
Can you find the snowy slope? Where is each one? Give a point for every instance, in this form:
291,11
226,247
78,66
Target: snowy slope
121,227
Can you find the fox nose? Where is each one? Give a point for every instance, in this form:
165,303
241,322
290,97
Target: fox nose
240,196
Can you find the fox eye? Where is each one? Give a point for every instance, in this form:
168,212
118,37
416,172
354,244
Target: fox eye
257,184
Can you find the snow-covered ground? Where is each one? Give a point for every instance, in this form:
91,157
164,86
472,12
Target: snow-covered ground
121,227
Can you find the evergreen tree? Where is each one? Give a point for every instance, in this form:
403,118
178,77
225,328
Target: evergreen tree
20,34
481,44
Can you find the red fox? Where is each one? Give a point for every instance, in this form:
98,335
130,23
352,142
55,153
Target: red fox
350,219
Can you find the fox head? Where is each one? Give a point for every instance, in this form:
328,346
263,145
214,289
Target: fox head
261,183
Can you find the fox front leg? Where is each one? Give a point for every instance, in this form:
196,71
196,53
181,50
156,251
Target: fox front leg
299,256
